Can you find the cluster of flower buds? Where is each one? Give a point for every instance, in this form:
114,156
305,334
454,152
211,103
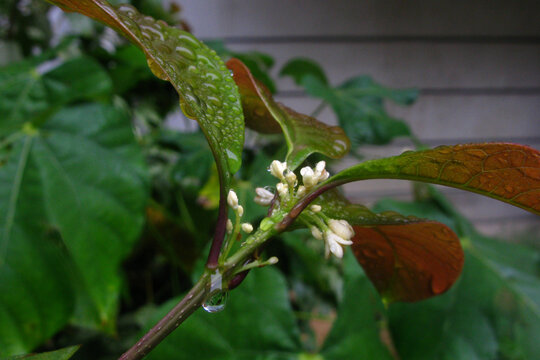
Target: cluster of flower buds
287,186
232,200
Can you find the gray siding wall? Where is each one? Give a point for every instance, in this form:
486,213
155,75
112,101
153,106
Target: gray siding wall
477,64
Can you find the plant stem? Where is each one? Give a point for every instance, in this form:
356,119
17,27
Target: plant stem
195,297
319,109
189,304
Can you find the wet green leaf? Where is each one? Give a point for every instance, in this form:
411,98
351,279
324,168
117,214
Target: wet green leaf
504,171
205,86
258,63
304,135
72,197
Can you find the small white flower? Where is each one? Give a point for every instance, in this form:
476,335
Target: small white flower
317,234
334,243
308,177
273,260
301,191
320,172
232,199
319,168
240,210
277,168
290,177
264,197
247,228
229,226
341,228
315,208
283,190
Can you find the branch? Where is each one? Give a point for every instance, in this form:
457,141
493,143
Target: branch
189,304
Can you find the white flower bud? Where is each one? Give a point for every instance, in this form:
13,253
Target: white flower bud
341,228
301,191
334,244
317,234
273,260
283,190
335,249
240,210
264,197
247,228
232,199
277,168
290,177
319,168
315,208
308,177
229,226
324,175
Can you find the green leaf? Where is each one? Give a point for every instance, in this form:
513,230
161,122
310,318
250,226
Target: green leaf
72,197
358,103
356,333
504,171
258,63
301,68
62,354
257,323
32,90
206,88
304,135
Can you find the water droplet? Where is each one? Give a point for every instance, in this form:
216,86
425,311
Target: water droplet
189,40
185,52
217,295
156,70
216,303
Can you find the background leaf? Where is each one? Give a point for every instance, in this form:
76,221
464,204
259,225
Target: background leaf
62,354
358,102
302,68
357,330
32,90
72,196
304,135
504,171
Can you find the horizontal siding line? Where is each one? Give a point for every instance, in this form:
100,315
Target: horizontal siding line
436,141
437,39
478,91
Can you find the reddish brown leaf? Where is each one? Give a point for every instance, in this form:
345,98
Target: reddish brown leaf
409,262
304,135
406,258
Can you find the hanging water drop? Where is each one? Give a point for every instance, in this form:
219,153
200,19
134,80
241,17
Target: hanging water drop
216,303
217,294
